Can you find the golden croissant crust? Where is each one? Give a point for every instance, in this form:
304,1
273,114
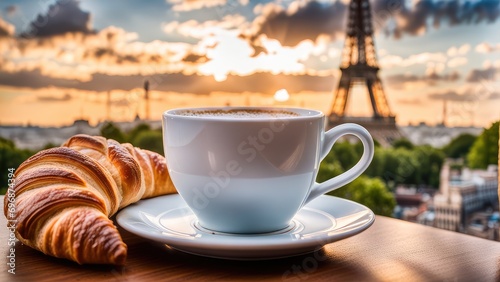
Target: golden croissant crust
65,196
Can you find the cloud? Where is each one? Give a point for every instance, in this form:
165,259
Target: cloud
301,21
410,101
111,51
388,61
494,96
280,41
79,53
487,74
436,62
453,95
414,20
64,98
6,29
457,61
176,82
65,16
11,10
224,50
33,79
194,58
234,55
430,78
452,76
183,5
486,47
114,51
458,51
200,30
468,94
298,23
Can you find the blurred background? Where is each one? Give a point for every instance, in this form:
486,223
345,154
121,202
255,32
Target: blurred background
112,67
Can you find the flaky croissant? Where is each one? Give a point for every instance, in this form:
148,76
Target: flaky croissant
65,196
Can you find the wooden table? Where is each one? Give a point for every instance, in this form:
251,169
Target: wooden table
390,250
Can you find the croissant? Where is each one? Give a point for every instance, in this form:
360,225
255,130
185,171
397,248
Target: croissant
65,196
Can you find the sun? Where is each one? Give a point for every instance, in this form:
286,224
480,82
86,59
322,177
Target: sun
281,95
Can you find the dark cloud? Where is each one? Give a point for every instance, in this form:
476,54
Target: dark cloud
64,98
401,78
62,17
11,10
398,80
394,17
3,32
6,29
414,20
470,94
120,102
111,56
194,58
453,76
259,82
477,75
414,101
258,50
452,95
306,23
494,96
33,79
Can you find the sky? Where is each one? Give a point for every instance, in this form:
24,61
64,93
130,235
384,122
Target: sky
66,60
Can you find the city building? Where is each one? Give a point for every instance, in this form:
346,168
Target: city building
462,194
412,203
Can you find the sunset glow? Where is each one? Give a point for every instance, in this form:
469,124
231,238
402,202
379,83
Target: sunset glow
208,53
281,95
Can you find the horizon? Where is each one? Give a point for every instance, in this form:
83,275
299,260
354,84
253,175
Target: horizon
139,120
68,60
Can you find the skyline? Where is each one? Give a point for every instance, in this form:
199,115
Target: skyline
64,59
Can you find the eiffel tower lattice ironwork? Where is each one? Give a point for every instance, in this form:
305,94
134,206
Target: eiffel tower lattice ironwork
359,63
359,66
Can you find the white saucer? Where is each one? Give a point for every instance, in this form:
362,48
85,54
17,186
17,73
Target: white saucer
168,220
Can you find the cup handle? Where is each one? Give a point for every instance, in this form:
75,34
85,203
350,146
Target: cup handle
338,181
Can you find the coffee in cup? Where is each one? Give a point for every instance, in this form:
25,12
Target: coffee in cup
250,169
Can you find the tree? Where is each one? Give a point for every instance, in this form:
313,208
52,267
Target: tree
460,146
408,167
110,131
394,170
430,161
328,170
150,140
132,135
484,151
419,165
377,166
370,192
345,153
11,157
403,143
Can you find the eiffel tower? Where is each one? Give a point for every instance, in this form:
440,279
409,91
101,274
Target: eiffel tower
359,66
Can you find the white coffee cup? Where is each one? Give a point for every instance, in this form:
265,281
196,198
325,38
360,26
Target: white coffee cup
250,170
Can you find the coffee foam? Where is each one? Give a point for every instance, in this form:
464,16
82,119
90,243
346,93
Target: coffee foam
239,113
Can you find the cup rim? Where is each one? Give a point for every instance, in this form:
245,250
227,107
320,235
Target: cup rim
304,113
